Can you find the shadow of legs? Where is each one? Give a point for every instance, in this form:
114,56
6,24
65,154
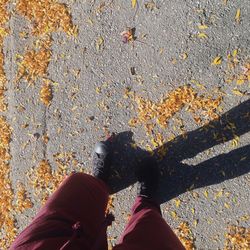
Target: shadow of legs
180,178
177,178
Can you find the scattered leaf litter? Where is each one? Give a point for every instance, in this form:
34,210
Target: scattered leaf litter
185,235
4,18
7,220
23,202
35,62
203,109
46,92
238,69
237,238
47,16
173,102
44,180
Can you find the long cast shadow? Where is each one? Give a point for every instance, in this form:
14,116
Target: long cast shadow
184,177
177,177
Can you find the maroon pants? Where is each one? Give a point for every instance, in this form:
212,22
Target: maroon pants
74,218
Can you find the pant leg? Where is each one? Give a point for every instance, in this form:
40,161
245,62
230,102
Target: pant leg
80,200
147,229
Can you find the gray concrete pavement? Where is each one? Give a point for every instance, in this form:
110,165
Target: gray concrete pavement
89,98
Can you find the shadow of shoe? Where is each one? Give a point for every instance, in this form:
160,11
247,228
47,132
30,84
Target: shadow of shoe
126,158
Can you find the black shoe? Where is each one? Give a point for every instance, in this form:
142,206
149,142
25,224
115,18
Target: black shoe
147,174
102,158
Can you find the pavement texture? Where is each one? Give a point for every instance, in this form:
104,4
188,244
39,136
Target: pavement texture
96,79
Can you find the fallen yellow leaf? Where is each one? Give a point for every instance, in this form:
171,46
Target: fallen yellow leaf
218,194
134,2
133,145
173,214
133,122
235,141
99,43
3,32
240,80
198,84
217,60
237,92
195,222
245,217
98,90
177,202
209,221
202,35
202,27
206,193
154,143
229,80
235,52
237,16
184,56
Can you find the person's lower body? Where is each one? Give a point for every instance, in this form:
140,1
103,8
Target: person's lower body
81,202
147,230
74,216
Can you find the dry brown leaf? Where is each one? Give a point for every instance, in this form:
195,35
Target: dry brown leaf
128,35
150,5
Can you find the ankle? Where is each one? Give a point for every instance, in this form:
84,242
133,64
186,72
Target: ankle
148,177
